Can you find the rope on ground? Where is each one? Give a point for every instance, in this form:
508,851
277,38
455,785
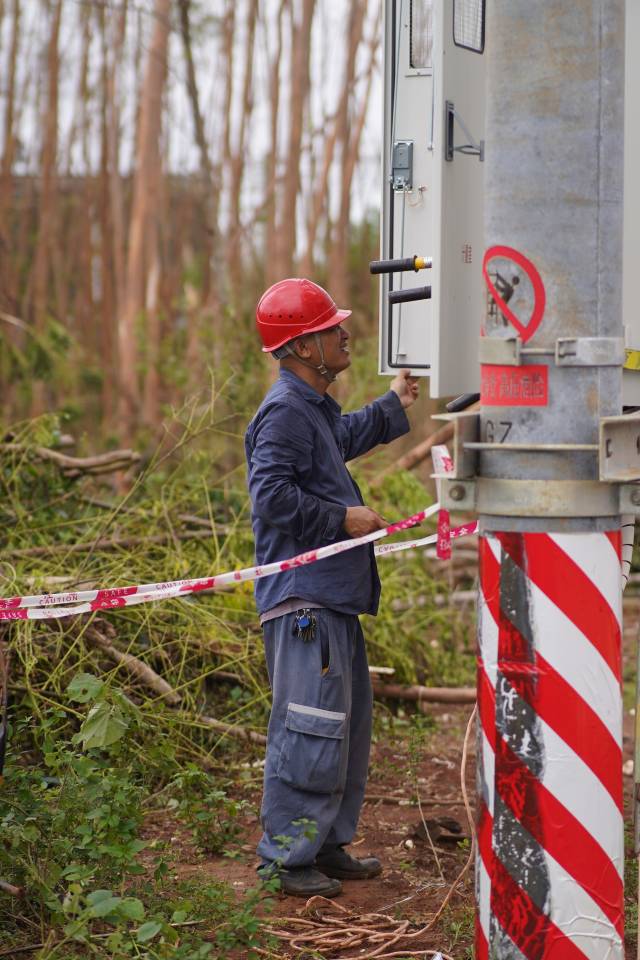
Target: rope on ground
329,928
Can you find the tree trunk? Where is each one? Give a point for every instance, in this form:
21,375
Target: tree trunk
339,248
84,309
234,244
8,292
144,202
116,200
271,169
42,257
299,91
107,300
153,327
211,182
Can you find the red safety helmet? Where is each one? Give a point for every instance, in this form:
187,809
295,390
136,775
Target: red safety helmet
293,308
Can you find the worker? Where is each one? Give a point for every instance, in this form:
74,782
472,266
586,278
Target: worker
302,497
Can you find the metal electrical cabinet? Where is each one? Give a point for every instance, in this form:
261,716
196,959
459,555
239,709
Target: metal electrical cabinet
433,155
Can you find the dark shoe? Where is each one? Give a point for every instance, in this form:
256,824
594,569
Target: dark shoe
301,881
341,865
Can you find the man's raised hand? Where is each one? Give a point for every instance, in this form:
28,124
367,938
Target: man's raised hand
362,520
406,387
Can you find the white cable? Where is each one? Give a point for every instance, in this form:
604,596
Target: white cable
627,529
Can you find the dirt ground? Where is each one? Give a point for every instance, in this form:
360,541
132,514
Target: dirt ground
414,881
412,884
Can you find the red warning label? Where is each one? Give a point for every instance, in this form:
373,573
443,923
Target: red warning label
514,386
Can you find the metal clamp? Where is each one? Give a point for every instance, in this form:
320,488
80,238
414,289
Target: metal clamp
590,352
531,498
620,448
501,351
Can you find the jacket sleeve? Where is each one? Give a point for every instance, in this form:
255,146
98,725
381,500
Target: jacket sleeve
280,459
379,422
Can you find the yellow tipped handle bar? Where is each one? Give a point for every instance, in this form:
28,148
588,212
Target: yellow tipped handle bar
400,266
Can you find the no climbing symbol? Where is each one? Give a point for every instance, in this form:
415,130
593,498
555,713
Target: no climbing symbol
501,288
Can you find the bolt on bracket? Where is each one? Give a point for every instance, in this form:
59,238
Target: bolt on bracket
630,498
457,494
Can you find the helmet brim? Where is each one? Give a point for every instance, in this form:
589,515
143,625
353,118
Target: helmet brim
333,321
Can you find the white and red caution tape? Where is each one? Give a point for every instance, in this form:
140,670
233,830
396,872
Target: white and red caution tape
50,606
442,464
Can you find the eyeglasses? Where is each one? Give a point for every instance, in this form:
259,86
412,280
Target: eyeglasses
339,329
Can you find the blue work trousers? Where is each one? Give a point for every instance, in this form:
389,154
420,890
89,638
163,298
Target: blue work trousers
318,738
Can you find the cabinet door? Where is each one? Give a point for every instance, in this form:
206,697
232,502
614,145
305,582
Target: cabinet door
435,211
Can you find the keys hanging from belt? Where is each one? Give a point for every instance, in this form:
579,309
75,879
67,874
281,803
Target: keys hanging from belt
304,625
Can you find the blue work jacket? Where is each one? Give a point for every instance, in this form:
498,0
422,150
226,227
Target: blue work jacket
296,448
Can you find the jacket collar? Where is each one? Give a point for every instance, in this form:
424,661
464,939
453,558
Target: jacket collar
293,381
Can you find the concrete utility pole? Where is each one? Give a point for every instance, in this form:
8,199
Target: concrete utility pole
545,473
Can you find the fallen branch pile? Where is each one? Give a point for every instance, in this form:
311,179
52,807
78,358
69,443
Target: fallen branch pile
71,467
147,676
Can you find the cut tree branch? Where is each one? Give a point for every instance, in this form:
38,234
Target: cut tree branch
74,466
135,668
149,678
425,694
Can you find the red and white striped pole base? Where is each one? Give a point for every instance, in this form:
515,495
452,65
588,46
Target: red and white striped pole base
549,873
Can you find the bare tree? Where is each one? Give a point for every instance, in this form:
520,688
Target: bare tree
238,158
338,249
299,81
80,288
271,167
211,178
47,213
140,279
112,106
7,284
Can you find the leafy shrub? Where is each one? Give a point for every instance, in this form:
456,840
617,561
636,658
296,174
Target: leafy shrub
71,822
212,816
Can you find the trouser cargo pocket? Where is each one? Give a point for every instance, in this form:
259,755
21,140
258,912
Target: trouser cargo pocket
310,758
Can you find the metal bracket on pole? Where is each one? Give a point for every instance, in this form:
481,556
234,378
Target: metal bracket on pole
630,498
619,443
568,351
466,429
532,498
590,352
502,351
497,447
